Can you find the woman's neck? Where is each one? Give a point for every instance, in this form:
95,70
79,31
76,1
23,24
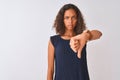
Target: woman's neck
69,33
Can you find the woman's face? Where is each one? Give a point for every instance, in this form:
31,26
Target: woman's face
70,19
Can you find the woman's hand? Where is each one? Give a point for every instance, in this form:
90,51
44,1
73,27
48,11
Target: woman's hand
74,44
78,42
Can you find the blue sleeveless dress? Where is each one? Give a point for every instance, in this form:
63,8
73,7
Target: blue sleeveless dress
67,65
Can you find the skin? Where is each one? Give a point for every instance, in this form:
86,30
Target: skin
77,42
50,61
70,19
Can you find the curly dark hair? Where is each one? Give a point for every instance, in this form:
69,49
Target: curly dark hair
59,21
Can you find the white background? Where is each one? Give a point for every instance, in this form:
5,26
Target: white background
25,28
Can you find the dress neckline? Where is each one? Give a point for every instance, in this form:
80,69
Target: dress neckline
63,38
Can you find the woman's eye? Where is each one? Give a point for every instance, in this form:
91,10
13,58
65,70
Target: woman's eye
66,18
74,17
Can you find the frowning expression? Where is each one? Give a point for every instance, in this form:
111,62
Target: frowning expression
70,19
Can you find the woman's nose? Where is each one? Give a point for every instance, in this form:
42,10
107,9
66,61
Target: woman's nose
70,20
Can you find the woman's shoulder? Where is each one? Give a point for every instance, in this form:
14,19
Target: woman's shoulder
54,39
54,35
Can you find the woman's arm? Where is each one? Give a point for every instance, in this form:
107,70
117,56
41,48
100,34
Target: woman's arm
50,71
82,39
93,34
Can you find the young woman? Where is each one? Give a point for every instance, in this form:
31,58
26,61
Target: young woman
67,49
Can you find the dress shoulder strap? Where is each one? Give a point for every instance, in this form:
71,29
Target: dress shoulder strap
54,40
